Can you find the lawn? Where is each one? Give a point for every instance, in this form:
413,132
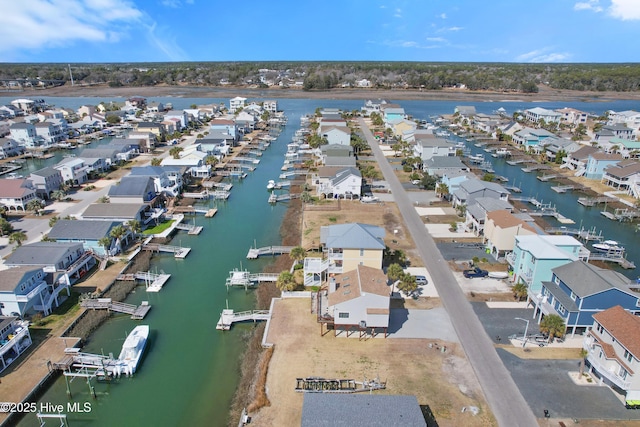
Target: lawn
158,228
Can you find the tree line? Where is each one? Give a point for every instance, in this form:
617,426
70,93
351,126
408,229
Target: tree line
511,77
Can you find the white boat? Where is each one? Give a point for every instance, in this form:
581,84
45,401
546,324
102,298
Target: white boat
476,159
369,199
271,185
132,349
502,152
608,246
498,274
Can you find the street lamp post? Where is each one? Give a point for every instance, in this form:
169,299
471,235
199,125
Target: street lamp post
526,329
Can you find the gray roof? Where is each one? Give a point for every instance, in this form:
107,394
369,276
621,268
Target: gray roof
476,185
561,296
113,210
99,153
12,277
585,279
355,410
45,172
132,186
344,174
69,229
154,170
41,253
445,162
352,236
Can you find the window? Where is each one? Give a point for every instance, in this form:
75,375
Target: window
628,356
600,329
343,315
573,296
622,373
361,252
561,309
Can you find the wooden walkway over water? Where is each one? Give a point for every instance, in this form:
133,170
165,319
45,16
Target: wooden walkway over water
136,312
178,252
268,250
228,317
154,282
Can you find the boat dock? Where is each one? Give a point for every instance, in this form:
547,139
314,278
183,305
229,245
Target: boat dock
228,317
513,188
254,253
545,178
190,228
563,188
154,282
274,198
206,194
246,279
616,256
518,162
136,312
621,214
178,252
292,174
592,201
535,168
191,210
580,233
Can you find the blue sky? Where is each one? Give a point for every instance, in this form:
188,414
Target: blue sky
346,30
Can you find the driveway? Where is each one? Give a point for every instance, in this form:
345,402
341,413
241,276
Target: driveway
431,324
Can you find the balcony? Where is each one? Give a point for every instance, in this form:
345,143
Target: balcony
19,332
32,294
607,370
511,258
315,265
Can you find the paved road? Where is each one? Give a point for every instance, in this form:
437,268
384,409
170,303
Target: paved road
502,394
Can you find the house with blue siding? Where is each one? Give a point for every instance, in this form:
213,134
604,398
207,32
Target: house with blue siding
598,162
535,256
578,290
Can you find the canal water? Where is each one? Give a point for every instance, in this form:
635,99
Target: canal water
190,370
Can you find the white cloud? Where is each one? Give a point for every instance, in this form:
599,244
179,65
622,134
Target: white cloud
398,13
54,23
588,5
542,55
166,43
454,29
175,3
626,10
443,15
436,39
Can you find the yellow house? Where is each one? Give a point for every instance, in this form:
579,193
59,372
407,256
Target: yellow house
349,245
500,230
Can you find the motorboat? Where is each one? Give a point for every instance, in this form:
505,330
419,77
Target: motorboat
607,246
132,350
498,274
476,159
271,185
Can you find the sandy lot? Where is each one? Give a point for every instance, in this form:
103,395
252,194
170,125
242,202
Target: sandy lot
444,381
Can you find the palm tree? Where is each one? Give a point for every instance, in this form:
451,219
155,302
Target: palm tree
286,281
175,152
53,220
442,190
105,242
5,227
583,355
156,161
211,161
394,272
553,325
298,254
35,205
407,283
135,226
58,195
117,233
520,291
17,237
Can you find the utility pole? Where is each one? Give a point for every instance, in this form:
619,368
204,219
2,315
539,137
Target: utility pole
70,74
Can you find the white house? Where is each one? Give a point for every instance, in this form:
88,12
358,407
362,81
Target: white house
25,291
73,169
16,194
237,103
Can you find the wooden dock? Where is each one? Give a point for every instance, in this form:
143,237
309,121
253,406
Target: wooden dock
154,282
190,228
545,178
563,188
136,312
592,201
178,252
211,212
254,253
228,317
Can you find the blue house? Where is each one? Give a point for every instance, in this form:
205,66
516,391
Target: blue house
598,162
535,256
87,232
579,290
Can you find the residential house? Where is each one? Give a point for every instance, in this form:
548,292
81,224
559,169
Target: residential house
613,352
25,291
453,178
24,134
402,128
67,259
577,160
338,156
167,180
193,159
597,163
538,115
371,106
73,170
500,230
270,105
348,245
155,107
346,183
470,189
50,133
476,212
237,103
11,110
572,116
578,290
555,146
426,148
100,159
630,118
16,194
15,339
226,126
534,257
531,139
440,166
628,149
609,132
122,212
487,123
336,135
46,181
133,189
392,112
624,176
465,111
181,115
88,233
9,148
151,127
359,300
146,140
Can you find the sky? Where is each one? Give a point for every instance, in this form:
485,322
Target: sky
555,31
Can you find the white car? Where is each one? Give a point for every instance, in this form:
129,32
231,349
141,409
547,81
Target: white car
416,182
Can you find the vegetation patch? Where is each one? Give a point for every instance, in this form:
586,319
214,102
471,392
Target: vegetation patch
158,228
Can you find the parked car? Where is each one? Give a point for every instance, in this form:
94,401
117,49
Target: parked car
416,182
421,280
475,272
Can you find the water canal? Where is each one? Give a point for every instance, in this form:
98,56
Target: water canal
190,370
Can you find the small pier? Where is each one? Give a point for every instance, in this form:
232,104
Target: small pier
210,213
513,188
136,312
518,162
582,234
191,210
178,252
592,201
292,174
563,188
616,256
621,214
228,317
274,198
535,168
322,385
154,282
545,178
190,228
254,253
247,279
